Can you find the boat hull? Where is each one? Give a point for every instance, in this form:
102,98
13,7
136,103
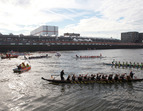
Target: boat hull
16,70
90,57
38,57
15,56
130,66
91,81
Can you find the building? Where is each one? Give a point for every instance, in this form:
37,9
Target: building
130,37
45,31
141,37
22,43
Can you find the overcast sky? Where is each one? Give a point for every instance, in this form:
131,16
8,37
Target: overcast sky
92,18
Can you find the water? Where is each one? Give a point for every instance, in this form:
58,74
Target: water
28,92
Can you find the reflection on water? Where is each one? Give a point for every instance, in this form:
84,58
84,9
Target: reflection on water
28,92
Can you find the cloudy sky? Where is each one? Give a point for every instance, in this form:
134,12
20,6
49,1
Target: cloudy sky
92,18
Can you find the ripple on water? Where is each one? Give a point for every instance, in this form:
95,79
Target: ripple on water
27,92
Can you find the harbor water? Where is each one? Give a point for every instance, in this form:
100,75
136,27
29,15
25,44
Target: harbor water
28,92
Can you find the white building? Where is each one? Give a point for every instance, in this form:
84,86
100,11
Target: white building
45,31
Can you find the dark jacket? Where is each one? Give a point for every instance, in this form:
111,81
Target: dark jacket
61,74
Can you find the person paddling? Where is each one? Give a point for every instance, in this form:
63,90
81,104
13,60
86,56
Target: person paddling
131,74
123,64
119,64
19,66
61,75
77,56
134,64
68,78
138,65
141,65
116,64
126,64
130,65
113,62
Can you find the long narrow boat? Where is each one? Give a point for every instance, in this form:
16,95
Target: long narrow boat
121,65
89,56
16,70
8,57
91,81
38,57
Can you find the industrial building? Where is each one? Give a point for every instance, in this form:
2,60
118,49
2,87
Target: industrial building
132,37
141,37
45,31
22,43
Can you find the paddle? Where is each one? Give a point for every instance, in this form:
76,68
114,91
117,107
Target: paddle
54,75
26,59
57,75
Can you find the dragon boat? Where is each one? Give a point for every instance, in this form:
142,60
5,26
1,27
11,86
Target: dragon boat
38,57
8,57
91,81
100,56
124,65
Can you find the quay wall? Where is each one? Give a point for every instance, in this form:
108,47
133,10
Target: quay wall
33,48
